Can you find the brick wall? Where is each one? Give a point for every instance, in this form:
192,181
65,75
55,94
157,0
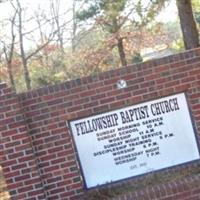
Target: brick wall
39,160
17,157
184,189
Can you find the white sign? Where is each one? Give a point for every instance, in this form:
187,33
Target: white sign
135,140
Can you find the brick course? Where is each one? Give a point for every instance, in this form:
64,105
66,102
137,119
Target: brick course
39,159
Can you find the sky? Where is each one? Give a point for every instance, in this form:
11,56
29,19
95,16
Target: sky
31,7
169,14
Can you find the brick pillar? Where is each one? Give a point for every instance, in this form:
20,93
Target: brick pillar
17,156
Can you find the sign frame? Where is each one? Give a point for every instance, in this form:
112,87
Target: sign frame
192,121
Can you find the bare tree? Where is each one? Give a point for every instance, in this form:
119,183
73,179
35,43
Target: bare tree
74,25
55,11
9,52
25,57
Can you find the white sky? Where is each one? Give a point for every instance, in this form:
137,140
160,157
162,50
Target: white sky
170,13
31,7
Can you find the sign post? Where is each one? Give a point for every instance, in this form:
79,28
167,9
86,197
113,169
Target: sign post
135,140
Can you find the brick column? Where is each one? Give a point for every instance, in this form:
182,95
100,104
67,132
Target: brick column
17,156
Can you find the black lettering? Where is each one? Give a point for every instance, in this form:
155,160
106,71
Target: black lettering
176,106
123,117
164,107
78,128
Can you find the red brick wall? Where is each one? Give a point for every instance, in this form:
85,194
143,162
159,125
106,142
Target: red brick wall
18,160
39,161
184,189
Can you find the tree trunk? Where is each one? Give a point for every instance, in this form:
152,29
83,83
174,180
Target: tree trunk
74,27
121,52
26,75
12,82
23,56
188,24
55,6
9,53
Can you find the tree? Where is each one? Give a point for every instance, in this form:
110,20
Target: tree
55,13
188,24
109,20
104,34
27,78
196,10
9,52
115,16
24,55
74,25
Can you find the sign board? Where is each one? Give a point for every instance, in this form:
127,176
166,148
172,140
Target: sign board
135,140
